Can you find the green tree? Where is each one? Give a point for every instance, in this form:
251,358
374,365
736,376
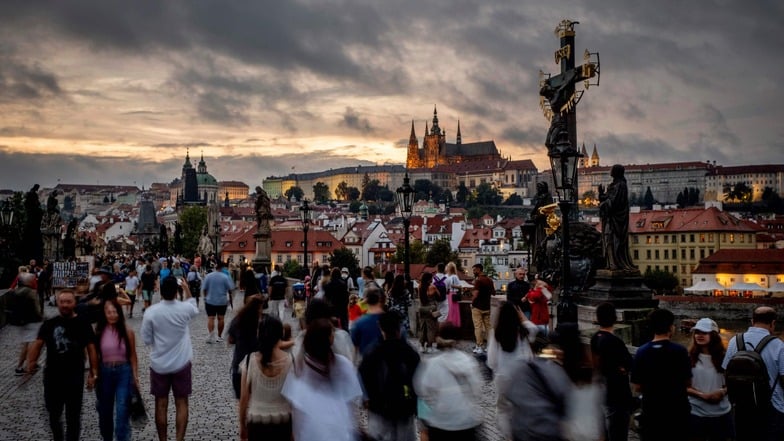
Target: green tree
320,192
385,194
416,253
681,200
292,269
740,192
353,193
488,268
462,194
648,200
425,189
344,258
694,196
514,199
192,221
341,191
294,192
660,281
440,251
486,194
354,206
370,190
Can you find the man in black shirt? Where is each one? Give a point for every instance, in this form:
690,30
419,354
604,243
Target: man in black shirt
517,289
149,280
613,361
66,336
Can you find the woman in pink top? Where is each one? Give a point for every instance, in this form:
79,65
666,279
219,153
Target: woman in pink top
118,372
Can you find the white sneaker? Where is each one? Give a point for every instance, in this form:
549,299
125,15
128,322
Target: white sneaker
218,340
477,350
210,339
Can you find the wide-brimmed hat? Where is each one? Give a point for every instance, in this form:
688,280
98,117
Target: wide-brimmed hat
105,270
705,325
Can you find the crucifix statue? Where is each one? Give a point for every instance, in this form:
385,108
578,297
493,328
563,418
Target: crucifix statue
559,96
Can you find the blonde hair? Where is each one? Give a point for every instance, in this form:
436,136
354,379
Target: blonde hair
451,268
23,269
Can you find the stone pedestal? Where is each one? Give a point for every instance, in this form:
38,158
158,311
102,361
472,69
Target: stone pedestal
632,299
261,261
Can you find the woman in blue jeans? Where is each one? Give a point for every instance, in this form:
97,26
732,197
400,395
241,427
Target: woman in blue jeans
118,372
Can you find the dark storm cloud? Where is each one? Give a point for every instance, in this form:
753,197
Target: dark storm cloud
20,81
519,135
353,120
634,149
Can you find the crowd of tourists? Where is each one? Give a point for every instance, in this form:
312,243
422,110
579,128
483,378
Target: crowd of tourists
361,345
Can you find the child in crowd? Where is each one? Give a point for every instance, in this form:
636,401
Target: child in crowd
354,310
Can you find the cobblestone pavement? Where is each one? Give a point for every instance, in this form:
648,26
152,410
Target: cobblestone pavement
213,409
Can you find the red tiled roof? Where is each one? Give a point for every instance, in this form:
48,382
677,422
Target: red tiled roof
687,219
746,169
743,261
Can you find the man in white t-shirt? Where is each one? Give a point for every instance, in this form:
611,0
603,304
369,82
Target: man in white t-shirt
132,287
165,329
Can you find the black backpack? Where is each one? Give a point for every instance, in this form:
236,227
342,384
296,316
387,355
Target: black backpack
396,386
748,384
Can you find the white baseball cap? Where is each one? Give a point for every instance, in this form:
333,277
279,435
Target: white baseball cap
705,325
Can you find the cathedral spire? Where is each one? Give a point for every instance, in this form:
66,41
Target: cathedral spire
435,130
413,137
459,137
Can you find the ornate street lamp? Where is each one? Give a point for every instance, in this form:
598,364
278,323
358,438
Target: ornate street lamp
529,232
563,160
217,228
405,201
304,214
7,214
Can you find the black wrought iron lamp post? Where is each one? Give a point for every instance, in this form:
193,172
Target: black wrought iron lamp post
217,228
405,201
304,213
6,221
529,232
563,160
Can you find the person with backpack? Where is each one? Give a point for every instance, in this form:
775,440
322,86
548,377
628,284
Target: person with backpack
661,372
711,418
387,374
442,299
753,377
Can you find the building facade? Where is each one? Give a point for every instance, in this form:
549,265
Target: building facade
757,177
676,240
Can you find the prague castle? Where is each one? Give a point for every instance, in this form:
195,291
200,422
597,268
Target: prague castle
436,151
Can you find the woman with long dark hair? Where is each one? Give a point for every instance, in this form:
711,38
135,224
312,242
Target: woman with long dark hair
243,335
510,343
264,413
428,313
389,281
118,372
711,417
399,302
324,393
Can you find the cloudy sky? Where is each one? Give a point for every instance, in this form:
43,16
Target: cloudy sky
105,91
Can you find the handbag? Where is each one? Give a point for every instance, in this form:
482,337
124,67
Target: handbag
136,407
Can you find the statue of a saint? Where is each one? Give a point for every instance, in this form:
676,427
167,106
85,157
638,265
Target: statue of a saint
263,211
205,244
52,204
555,91
614,213
542,198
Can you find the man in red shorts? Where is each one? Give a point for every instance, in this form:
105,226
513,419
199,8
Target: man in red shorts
165,329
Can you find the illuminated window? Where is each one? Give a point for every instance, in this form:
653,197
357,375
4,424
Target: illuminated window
732,237
648,240
702,237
